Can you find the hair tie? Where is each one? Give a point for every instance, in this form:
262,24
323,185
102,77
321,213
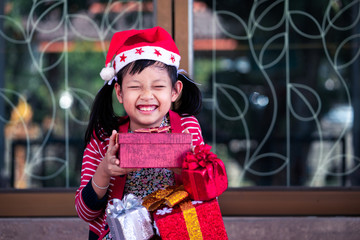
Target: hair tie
182,71
111,80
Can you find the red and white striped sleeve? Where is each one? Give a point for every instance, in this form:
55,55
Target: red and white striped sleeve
191,124
87,205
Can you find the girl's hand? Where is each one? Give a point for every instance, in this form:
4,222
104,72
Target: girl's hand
178,170
192,146
110,164
108,167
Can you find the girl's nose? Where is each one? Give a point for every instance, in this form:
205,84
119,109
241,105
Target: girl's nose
146,94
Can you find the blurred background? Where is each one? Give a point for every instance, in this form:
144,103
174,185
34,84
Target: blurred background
280,84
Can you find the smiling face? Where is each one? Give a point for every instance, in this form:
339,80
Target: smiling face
147,96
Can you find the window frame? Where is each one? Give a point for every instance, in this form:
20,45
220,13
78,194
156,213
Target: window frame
249,201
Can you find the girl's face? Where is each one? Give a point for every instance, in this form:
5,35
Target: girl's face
147,96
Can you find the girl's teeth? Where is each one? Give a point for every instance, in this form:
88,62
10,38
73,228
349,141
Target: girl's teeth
147,108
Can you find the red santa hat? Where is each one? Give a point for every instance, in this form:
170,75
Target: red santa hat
129,46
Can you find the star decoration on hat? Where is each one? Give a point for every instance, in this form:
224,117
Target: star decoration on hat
144,44
139,51
172,58
122,58
157,52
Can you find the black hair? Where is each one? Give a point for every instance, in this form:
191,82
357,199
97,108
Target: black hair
103,119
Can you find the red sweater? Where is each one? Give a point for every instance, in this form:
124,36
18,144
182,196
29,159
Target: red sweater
88,206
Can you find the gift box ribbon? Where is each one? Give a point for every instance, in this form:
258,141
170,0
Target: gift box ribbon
116,211
202,157
169,196
172,196
154,130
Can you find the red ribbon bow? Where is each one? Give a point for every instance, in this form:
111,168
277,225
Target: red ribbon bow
201,158
153,130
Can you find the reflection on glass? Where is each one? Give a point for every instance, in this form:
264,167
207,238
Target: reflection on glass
277,80
53,54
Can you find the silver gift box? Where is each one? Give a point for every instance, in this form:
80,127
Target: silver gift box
128,219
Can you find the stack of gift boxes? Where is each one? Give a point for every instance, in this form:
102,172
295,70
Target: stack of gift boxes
188,211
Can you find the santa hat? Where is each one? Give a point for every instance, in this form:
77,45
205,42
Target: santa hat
129,46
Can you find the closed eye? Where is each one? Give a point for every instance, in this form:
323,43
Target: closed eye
133,87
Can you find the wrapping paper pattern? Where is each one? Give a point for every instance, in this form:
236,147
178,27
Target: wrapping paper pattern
204,174
176,217
176,223
128,219
155,150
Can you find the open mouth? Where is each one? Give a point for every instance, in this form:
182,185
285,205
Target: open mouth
147,108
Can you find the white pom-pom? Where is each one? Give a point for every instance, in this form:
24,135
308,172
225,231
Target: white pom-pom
107,73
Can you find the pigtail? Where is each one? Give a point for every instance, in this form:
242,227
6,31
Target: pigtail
190,101
102,117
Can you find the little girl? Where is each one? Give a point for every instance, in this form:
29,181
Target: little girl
142,67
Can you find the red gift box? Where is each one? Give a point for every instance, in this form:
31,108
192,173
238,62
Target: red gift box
152,150
187,219
204,175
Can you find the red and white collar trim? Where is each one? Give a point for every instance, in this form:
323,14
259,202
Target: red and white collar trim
147,52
